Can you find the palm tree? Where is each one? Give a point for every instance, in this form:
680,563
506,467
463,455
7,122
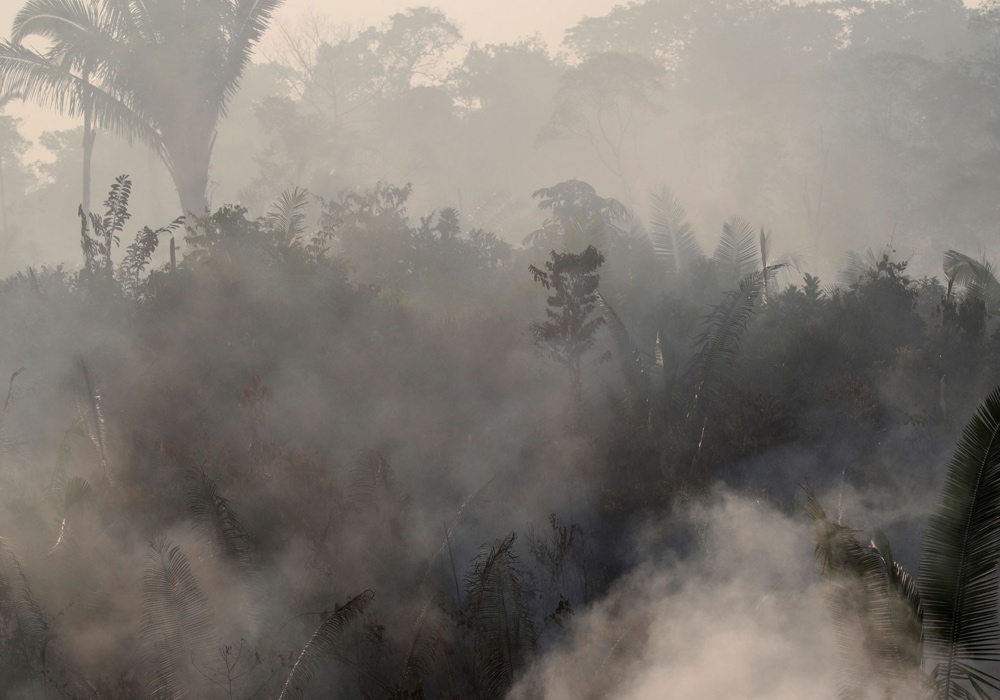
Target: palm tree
947,619
160,71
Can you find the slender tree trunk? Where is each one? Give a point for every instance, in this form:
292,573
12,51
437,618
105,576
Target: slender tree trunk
89,135
3,199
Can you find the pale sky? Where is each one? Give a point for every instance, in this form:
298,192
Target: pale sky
485,21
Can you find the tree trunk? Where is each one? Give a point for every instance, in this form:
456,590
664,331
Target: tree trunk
3,200
188,163
89,135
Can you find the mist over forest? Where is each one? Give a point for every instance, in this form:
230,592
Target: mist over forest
373,361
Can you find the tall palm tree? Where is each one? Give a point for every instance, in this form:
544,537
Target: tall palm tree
160,71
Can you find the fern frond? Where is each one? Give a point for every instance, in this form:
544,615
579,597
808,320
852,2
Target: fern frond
323,644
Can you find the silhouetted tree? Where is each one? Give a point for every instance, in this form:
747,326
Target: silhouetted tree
162,72
570,329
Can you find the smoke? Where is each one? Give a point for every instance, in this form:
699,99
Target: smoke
740,616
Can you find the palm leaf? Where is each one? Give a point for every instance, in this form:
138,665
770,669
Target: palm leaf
247,25
76,490
449,531
428,643
177,624
958,572
93,420
51,86
215,520
977,277
582,231
905,608
672,235
853,270
718,342
736,252
29,636
503,634
288,217
858,599
373,485
638,385
323,644
9,446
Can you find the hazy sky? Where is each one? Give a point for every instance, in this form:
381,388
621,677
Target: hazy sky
485,21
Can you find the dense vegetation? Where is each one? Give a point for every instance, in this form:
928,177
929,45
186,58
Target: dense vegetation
240,473
354,438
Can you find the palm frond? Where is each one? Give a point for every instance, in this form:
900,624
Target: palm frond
853,269
9,445
718,342
51,86
672,235
638,384
29,634
93,420
583,231
428,643
323,644
248,24
629,228
905,607
177,625
977,277
503,634
450,529
10,392
373,484
81,35
858,599
736,252
77,490
288,216
215,520
958,572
